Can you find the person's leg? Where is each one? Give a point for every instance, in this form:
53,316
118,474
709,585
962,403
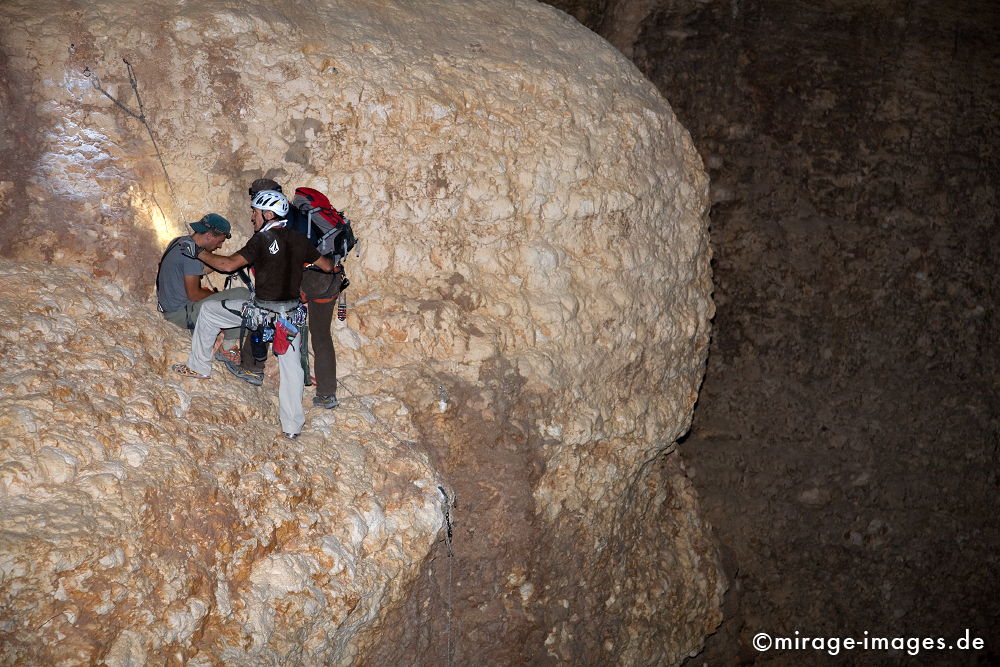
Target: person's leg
213,316
178,317
321,289
247,360
234,297
290,389
324,354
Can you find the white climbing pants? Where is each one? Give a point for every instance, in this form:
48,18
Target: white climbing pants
214,316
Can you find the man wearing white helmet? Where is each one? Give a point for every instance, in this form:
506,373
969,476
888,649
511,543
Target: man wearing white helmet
278,254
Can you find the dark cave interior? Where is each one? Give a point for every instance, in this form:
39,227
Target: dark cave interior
846,440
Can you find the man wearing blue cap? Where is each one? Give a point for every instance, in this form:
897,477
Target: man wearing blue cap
179,292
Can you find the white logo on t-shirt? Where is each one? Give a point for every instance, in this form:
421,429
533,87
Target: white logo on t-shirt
273,248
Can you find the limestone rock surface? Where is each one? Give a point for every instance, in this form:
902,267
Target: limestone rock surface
149,517
532,284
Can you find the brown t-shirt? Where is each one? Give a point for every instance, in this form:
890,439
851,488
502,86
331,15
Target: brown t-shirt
277,256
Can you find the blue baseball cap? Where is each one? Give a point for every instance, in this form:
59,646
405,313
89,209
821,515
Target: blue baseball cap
213,222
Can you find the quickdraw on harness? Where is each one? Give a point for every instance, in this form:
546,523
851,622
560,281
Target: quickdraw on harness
269,326
342,307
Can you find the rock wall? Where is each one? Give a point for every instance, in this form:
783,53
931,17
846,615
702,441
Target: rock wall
148,517
532,284
846,438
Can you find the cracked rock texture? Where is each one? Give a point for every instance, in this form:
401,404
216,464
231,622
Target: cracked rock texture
530,300
149,517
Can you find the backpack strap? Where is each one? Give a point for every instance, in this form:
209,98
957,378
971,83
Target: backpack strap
309,224
170,246
241,273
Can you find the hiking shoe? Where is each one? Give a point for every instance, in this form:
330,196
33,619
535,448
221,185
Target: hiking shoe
327,402
256,379
182,369
290,436
232,354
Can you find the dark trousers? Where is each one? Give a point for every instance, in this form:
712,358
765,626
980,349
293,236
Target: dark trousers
247,362
320,290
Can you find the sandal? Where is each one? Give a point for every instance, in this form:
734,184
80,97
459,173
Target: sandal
182,369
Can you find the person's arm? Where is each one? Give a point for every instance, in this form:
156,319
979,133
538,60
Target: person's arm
325,263
194,290
223,263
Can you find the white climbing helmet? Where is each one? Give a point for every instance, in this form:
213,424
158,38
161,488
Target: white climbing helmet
271,200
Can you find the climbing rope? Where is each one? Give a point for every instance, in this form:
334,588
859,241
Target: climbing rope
449,504
451,554
95,81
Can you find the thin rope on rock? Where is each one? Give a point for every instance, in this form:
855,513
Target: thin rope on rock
95,81
451,554
447,510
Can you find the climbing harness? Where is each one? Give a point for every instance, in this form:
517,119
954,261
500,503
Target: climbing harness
269,321
243,276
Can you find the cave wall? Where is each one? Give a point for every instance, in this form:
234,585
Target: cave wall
845,440
148,518
530,299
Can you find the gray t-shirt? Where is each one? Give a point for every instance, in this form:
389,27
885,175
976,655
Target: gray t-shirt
170,284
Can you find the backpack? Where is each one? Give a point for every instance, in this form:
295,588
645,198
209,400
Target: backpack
159,268
329,230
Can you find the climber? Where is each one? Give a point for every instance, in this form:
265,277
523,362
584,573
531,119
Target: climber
251,367
296,219
240,361
320,290
180,294
277,254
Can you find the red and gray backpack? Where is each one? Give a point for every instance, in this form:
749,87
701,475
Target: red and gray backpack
328,229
